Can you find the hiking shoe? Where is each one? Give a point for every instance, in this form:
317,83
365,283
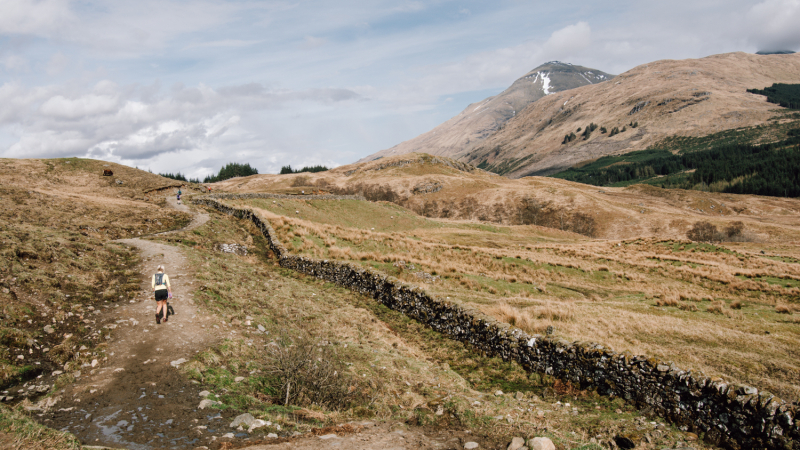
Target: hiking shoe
166,319
158,319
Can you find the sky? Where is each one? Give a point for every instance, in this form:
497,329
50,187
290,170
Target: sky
189,86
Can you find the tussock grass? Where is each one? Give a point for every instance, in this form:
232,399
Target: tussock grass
396,369
17,431
666,284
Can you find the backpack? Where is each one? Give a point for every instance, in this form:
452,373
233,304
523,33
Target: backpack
159,279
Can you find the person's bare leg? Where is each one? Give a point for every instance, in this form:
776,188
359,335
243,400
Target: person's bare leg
159,307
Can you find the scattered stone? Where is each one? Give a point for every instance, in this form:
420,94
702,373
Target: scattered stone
258,423
49,329
228,436
178,362
272,435
328,436
236,249
261,328
94,363
243,419
519,395
516,443
238,379
207,404
471,445
204,394
498,393
541,443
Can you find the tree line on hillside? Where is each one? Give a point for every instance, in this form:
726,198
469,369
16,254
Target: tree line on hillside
312,169
180,177
768,169
785,95
232,170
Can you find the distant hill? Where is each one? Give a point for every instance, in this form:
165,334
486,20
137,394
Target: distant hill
668,98
482,119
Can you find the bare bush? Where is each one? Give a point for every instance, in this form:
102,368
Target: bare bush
302,373
702,231
301,181
734,230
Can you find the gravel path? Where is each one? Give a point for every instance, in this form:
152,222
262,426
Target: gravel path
137,399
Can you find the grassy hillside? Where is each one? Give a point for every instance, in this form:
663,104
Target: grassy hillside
393,368
59,267
715,308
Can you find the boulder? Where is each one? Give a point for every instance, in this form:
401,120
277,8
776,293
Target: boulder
243,419
516,443
541,443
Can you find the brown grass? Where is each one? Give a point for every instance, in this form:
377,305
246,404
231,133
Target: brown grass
533,284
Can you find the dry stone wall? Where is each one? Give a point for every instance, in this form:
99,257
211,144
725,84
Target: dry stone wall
733,416
284,196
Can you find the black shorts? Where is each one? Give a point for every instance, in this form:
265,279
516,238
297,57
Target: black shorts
161,295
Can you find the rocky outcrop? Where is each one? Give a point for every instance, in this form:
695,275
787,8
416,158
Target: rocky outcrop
733,416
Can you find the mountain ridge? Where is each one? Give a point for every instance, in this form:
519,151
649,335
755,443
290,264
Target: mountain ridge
666,98
480,120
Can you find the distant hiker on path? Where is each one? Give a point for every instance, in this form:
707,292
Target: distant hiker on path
162,291
179,196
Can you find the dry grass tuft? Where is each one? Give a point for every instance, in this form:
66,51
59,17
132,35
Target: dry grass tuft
716,307
783,309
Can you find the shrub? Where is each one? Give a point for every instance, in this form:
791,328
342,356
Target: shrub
301,373
702,231
734,229
569,137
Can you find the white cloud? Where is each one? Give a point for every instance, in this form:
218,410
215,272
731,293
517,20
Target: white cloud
775,25
15,63
568,41
313,42
38,17
81,107
139,125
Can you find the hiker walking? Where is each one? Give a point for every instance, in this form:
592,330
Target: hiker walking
162,291
179,196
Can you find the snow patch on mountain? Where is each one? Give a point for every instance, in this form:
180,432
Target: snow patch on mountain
545,83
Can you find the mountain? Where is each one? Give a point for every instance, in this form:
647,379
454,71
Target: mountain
667,99
480,120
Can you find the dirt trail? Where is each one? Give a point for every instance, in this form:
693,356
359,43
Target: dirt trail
137,399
